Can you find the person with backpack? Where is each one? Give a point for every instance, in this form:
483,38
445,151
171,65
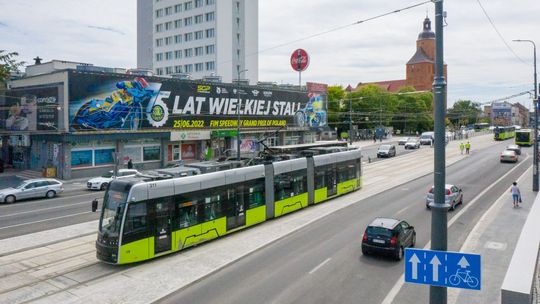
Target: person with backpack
516,194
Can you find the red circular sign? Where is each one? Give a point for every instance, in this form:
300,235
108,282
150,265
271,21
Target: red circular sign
299,60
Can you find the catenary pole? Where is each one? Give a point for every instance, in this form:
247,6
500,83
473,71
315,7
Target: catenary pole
439,233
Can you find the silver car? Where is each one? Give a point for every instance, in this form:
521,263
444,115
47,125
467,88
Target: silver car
412,143
32,188
453,196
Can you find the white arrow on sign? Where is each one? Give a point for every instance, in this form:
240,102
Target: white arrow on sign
463,263
414,261
435,264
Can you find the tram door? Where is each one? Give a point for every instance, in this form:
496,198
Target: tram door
162,233
237,217
331,181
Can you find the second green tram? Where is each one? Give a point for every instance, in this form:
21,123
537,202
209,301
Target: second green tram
504,133
142,219
524,137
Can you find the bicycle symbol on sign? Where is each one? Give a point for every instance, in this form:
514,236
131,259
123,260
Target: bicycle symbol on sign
465,277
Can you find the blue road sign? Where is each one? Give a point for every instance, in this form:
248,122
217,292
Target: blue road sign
443,268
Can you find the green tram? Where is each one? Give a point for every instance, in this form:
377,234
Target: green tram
524,137
504,133
143,219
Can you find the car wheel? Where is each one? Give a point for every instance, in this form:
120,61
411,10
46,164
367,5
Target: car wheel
365,251
399,254
50,194
461,201
103,186
453,206
413,243
10,199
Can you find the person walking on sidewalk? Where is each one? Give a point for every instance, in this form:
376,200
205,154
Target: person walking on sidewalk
467,147
130,164
516,194
461,147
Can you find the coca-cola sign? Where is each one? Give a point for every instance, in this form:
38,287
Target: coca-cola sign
299,60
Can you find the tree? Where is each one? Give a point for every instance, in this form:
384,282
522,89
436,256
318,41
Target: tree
335,95
464,112
8,65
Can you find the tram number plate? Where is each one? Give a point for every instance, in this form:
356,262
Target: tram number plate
162,237
378,241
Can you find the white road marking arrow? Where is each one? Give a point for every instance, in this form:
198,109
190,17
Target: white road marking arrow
463,263
414,261
435,263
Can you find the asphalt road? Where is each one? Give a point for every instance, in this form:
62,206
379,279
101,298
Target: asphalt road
323,263
369,153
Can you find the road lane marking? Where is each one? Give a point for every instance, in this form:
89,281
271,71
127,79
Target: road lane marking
44,209
403,210
320,265
401,281
49,219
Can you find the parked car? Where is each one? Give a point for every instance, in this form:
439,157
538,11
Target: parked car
386,151
403,140
427,138
101,182
514,148
32,188
413,143
453,196
509,156
388,236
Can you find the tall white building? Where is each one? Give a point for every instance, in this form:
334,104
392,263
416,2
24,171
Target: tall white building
199,37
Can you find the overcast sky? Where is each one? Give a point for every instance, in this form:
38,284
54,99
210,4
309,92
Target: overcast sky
480,66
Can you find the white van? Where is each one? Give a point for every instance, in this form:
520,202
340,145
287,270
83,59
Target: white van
427,138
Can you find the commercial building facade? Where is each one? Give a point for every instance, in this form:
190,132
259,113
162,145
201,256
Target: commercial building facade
80,122
199,38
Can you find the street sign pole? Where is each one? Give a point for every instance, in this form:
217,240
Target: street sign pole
439,232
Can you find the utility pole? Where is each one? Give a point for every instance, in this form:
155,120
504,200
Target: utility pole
439,231
238,118
535,102
349,89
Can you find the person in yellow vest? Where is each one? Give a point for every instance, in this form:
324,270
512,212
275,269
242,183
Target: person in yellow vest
461,147
467,147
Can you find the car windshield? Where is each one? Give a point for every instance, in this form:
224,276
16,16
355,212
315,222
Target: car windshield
21,185
426,136
111,216
374,230
108,174
384,147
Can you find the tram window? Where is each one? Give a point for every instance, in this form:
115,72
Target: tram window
346,171
320,180
187,214
136,220
213,204
290,184
255,193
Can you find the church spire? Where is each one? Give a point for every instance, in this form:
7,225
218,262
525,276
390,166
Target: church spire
426,33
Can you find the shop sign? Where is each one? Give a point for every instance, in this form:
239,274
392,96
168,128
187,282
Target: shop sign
30,109
224,133
189,151
190,135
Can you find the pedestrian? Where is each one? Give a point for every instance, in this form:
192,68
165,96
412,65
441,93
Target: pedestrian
374,137
516,194
1,165
467,147
461,147
130,164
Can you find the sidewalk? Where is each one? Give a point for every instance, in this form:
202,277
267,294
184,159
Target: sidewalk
495,238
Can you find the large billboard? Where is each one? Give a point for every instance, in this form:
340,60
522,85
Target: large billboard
501,114
30,109
102,102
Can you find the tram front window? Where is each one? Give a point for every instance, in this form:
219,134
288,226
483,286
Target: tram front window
113,207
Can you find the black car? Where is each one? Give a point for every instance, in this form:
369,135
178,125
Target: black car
389,237
386,151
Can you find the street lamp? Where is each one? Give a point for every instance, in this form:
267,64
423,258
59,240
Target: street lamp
349,89
535,159
238,117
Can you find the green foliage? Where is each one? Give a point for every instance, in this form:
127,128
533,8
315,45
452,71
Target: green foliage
464,112
8,64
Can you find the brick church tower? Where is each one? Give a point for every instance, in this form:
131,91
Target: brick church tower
421,67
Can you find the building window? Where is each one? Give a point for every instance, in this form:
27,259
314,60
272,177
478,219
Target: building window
159,56
237,22
238,6
210,33
198,3
168,11
178,69
188,37
210,66
168,70
188,68
210,2
178,8
238,54
198,19
168,25
152,153
198,67
199,35
159,71
210,16
177,38
159,13
168,55
188,5
159,42
159,27
199,51
178,23
168,40
177,54
103,156
188,21
81,158
188,53
210,49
